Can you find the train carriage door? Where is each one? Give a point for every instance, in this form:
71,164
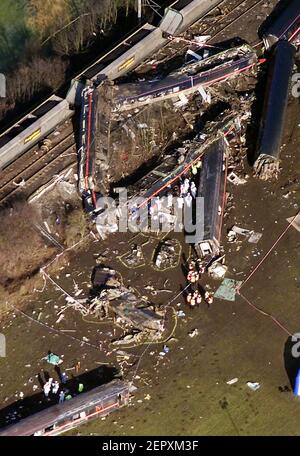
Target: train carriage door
171,21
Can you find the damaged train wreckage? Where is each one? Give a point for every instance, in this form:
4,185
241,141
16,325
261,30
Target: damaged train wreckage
204,158
155,197
103,104
108,107
132,313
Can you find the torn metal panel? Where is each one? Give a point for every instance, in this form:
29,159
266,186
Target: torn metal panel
171,21
126,308
212,187
274,110
286,26
187,79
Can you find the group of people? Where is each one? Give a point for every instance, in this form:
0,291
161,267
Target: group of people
180,195
194,297
188,188
53,388
186,193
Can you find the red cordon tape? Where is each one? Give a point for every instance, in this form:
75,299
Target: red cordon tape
268,252
265,314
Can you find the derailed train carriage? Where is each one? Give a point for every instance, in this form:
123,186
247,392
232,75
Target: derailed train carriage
72,413
135,48
212,188
191,77
86,151
274,110
213,69
286,25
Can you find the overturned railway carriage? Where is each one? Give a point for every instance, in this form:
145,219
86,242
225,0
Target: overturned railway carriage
211,70
286,26
70,414
188,79
274,109
32,128
212,187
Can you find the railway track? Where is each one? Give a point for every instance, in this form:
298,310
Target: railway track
11,172
38,171
239,16
221,23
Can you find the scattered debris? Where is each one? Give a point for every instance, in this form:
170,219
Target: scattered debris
53,359
254,386
234,179
61,317
134,258
167,255
217,270
141,318
266,167
295,221
180,314
252,236
194,333
232,381
231,236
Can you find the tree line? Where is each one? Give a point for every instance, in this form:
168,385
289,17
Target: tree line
55,30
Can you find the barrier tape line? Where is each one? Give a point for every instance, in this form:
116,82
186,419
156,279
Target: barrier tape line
268,253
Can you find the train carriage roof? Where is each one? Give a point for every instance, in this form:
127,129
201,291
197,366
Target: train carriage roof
45,418
286,20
